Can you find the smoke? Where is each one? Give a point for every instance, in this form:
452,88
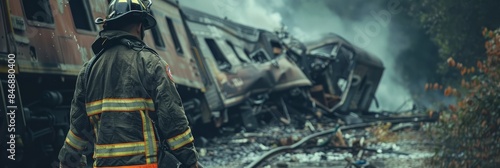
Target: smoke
375,26
248,12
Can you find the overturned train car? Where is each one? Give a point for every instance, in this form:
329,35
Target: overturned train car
350,75
226,73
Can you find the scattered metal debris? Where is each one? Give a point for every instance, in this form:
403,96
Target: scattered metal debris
281,145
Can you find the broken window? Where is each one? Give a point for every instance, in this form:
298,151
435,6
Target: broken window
344,59
277,48
173,33
38,10
220,59
81,15
235,52
329,50
259,56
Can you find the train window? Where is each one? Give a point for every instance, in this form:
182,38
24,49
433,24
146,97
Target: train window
82,16
219,57
347,53
259,56
173,33
38,10
325,50
277,48
235,52
242,54
157,37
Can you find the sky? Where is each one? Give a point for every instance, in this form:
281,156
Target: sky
367,24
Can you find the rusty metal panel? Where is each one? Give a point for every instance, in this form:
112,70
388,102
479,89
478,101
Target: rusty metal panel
69,51
184,68
46,46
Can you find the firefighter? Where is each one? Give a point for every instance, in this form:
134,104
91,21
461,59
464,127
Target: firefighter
126,109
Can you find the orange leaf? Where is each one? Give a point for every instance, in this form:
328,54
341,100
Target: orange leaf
451,62
463,71
447,91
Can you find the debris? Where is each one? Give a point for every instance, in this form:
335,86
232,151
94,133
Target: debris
309,125
202,152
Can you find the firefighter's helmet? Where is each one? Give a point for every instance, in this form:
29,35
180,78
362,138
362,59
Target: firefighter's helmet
122,11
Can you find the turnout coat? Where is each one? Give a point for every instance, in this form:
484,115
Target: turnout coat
123,105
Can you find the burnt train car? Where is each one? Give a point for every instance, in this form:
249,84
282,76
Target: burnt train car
247,65
225,72
345,76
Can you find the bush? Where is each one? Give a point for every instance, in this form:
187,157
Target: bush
468,132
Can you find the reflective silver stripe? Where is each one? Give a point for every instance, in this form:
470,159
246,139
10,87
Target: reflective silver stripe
181,140
75,141
118,150
119,104
149,138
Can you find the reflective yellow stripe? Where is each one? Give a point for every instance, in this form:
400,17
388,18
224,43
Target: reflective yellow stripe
75,141
149,138
94,120
120,105
180,140
118,150
137,2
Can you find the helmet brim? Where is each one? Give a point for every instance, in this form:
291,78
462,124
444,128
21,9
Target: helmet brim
148,22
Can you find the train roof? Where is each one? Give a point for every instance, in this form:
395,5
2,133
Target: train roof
240,30
361,54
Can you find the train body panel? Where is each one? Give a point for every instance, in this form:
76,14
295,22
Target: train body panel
169,38
241,58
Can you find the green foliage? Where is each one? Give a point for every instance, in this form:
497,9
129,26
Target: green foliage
455,26
469,131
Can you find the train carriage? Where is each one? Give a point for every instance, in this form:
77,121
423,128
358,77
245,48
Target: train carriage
51,40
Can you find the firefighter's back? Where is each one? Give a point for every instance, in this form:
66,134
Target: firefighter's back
117,104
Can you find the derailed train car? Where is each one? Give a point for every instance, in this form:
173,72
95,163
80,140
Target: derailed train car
346,76
225,72
246,64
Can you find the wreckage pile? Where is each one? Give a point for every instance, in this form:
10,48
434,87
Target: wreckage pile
357,145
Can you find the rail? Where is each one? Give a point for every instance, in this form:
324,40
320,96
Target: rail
294,146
